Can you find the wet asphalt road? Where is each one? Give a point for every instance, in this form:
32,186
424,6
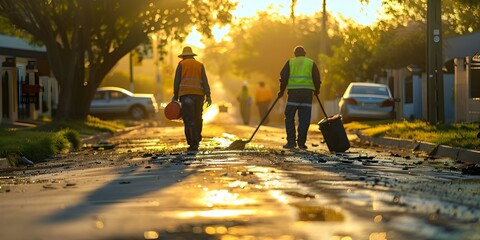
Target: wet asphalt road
147,187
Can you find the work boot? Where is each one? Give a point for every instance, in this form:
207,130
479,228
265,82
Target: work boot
192,148
302,146
289,145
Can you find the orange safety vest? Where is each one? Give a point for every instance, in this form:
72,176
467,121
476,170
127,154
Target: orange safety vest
263,94
191,79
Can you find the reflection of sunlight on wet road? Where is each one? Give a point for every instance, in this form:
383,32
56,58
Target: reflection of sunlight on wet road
218,213
223,197
225,140
244,194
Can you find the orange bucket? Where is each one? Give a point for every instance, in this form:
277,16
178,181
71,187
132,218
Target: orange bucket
173,110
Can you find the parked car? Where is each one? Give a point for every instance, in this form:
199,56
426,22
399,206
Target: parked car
118,101
366,101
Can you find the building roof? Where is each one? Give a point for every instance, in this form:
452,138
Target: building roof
462,46
17,47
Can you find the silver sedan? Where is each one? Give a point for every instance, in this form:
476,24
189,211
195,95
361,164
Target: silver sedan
114,100
366,101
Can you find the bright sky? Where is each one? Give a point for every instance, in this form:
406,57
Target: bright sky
363,14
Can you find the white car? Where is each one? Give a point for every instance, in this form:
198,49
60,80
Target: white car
115,100
363,100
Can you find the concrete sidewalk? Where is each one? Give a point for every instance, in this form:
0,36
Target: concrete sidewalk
434,150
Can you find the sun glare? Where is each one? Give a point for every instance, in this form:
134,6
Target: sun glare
364,14
210,113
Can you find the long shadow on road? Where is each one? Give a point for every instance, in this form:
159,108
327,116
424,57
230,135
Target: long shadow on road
132,183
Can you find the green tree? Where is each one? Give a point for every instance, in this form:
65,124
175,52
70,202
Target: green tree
396,41
459,16
351,60
85,39
262,45
402,46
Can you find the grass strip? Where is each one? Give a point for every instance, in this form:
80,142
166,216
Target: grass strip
50,139
462,135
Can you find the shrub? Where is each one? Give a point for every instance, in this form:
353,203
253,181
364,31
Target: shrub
40,148
50,139
72,136
37,145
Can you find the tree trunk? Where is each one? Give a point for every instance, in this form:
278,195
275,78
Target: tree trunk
72,104
76,91
75,95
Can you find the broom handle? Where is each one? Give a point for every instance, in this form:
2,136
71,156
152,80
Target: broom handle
321,106
264,118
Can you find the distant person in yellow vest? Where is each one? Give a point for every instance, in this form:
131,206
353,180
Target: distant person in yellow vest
192,88
263,98
245,101
301,77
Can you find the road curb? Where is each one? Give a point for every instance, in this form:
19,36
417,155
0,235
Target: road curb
435,150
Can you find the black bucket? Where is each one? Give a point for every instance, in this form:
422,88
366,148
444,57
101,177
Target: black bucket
334,133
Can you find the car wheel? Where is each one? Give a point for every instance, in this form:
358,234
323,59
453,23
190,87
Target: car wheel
137,112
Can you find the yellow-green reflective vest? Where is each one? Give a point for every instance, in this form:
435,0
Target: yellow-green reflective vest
300,73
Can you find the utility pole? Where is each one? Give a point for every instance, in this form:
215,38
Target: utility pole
435,91
323,37
292,12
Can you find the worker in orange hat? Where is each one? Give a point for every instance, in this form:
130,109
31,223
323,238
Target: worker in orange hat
192,88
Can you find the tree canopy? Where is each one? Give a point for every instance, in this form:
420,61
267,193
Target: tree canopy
259,47
85,39
354,52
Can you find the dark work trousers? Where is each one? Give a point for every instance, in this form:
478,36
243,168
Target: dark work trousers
263,109
299,100
192,110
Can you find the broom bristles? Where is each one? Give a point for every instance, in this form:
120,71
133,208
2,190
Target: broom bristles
237,145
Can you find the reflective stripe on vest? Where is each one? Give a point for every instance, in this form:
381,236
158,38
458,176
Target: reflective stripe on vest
300,73
295,104
191,79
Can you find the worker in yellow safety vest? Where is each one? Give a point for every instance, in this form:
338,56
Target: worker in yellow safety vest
301,77
192,88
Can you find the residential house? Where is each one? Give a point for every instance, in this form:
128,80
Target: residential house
28,89
463,65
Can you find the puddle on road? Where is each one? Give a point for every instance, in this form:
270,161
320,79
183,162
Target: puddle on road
224,230
220,213
318,213
309,206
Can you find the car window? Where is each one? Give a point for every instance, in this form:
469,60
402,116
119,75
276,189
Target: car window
117,95
383,91
99,96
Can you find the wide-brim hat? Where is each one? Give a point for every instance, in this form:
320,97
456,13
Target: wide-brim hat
187,51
